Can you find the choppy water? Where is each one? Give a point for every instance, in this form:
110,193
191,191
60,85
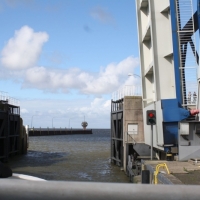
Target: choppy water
70,158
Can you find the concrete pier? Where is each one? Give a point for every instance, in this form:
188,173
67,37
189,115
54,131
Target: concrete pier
57,131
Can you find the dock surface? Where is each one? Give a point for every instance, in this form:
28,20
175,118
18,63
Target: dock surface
180,172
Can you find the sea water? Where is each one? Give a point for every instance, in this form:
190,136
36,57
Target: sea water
70,158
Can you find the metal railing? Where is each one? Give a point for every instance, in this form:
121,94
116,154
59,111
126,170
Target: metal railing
3,96
127,90
21,189
12,101
191,98
116,105
187,49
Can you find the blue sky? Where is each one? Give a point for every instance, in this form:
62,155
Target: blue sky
64,58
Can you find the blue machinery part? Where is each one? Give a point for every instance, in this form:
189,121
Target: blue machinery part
173,112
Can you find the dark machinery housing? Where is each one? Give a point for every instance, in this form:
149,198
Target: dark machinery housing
13,137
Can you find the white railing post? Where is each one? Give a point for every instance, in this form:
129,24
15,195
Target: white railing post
126,90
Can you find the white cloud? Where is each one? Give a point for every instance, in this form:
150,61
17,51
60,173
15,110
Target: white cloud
98,106
110,78
20,55
106,81
23,50
23,111
96,112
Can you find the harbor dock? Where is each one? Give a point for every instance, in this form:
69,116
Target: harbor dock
180,173
57,131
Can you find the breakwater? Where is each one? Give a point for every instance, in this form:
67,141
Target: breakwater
57,131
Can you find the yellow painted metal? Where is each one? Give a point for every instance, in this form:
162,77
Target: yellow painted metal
157,171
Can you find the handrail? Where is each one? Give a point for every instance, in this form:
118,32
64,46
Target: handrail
12,101
157,171
20,189
130,136
127,90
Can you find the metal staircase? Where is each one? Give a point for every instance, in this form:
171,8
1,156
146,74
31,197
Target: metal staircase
188,54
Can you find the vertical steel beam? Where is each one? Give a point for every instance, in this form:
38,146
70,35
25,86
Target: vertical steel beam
176,54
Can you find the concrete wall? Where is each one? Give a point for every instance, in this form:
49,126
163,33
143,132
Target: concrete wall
132,115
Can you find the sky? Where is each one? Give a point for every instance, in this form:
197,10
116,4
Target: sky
63,59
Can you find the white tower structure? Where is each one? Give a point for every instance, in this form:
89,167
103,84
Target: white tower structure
156,56
163,47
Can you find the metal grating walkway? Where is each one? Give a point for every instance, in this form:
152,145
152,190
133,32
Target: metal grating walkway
188,55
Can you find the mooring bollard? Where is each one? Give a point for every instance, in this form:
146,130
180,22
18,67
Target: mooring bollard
145,176
157,171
